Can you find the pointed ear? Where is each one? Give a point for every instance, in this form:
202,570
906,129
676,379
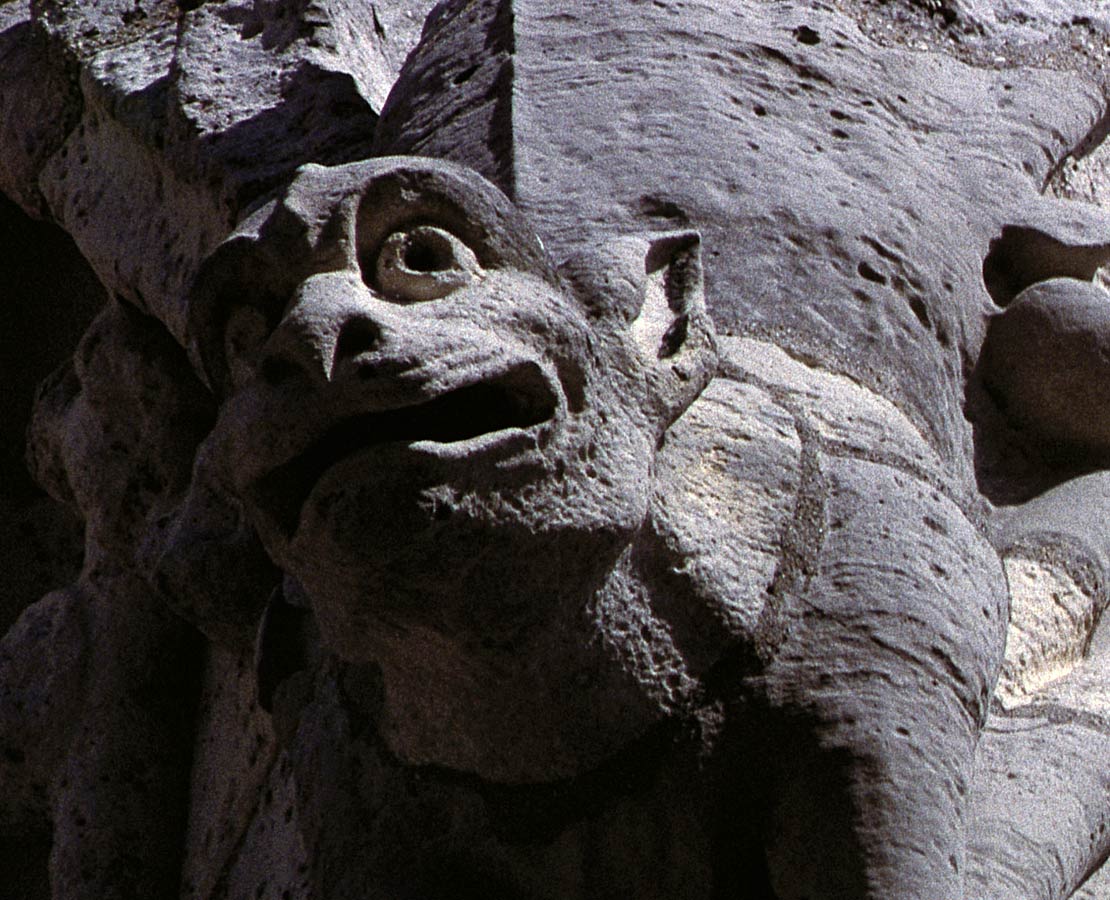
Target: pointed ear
647,291
672,329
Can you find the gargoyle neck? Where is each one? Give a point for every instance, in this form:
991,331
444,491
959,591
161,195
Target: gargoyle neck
552,706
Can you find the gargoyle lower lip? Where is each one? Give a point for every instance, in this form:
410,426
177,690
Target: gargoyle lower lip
518,398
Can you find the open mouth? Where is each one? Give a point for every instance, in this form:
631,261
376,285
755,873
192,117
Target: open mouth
519,398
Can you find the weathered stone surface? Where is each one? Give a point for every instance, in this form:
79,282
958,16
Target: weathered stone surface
1097,887
1045,358
103,673
38,101
906,689
1039,804
116,433
847,418
732,476
1052,619
1058,562
234,764
801,129
188,116
625,526
94,723
1052,713
499,388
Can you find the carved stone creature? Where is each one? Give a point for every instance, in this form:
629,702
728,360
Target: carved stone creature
539,542
558,618
451,450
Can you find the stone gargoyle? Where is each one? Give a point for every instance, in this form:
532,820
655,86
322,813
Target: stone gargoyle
420,565
541,622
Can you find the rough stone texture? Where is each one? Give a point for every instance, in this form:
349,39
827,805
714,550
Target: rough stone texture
1097,887
711,503
1051,621
230,784
801,130
1045,359
189,116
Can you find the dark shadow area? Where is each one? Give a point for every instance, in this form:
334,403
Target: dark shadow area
48,295
1013,463
1022,256
23,866
786,822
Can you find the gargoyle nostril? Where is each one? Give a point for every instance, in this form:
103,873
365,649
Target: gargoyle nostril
357,336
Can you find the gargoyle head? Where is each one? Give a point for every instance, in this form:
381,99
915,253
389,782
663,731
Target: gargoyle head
426,420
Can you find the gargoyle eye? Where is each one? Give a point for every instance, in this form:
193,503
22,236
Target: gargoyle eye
424,263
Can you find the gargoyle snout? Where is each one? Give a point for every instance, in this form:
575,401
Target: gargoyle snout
333,321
